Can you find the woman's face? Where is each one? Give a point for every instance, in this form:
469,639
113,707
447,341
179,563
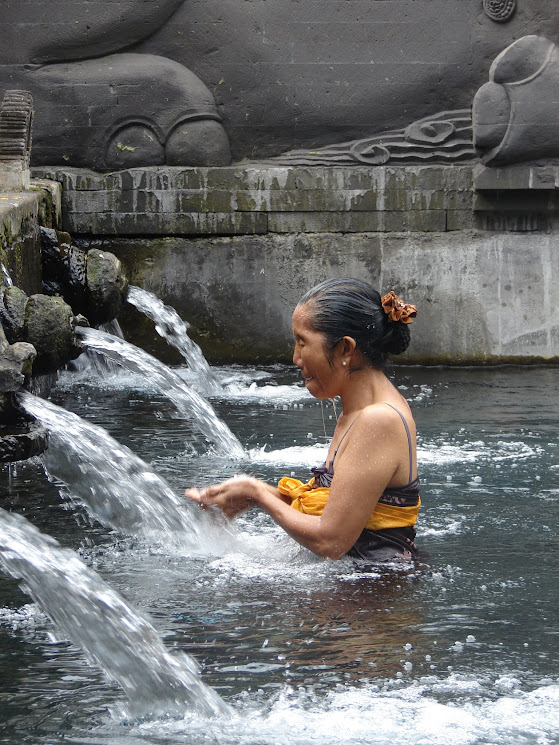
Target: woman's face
312,356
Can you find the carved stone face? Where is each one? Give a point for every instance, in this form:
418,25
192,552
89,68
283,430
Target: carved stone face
293,73
284,74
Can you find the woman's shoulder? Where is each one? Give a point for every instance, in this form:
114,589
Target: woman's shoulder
385,415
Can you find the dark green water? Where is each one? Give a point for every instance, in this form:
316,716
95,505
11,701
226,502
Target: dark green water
460,650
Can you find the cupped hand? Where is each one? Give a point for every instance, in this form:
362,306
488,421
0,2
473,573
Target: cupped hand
232,497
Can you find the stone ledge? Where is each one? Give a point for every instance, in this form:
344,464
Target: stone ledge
251,198
521,177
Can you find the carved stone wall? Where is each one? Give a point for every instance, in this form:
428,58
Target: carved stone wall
134,83
16,118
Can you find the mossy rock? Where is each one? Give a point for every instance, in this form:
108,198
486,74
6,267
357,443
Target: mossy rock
49,327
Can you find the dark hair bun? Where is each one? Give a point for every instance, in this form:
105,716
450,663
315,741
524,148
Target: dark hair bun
397,338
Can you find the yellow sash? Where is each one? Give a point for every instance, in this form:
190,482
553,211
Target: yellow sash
310,500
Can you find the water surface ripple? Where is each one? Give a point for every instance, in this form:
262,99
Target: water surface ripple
459,651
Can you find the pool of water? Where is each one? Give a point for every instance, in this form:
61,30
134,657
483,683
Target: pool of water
461,649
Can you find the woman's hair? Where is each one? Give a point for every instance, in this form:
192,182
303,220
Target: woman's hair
350,307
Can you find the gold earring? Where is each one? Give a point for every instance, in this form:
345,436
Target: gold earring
344,363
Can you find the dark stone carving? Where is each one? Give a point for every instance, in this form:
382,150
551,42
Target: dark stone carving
118,85
515,114
15,364
37,333
141,110
92,283
16,117
444,138
45,322
500,11
19,437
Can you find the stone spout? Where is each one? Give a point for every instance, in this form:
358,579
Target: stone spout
92,283
46,323
20,436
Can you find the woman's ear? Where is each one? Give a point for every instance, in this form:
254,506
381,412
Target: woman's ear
347,348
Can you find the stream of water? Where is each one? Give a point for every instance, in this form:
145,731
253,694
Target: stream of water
188,402
174,330
459,651
91,614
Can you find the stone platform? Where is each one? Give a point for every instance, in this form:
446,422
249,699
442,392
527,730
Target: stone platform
233,249
258,199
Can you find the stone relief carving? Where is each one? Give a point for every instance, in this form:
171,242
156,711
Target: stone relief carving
196,82
500,11
98,105
16,117
515,114
445,137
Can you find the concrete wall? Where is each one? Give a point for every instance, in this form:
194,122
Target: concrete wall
21,213
234,249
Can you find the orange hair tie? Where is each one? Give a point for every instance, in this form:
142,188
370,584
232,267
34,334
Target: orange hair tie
397,310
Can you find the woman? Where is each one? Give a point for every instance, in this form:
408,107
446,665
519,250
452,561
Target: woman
364,500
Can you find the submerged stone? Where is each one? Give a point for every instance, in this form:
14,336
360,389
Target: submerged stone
19,442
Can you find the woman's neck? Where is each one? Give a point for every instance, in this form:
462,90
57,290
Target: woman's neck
363,388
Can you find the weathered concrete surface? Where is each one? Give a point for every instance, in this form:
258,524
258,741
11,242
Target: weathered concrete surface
21,214
482,297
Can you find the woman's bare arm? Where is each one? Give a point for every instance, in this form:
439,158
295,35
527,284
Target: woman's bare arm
363,469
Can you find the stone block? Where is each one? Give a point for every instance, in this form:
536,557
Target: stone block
195,223
460,220
325,222
421,221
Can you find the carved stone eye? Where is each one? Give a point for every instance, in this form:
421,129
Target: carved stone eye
500,11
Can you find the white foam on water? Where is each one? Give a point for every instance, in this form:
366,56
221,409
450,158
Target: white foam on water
296,455
27,618
238,385
439,528
442,453
427,454
431,712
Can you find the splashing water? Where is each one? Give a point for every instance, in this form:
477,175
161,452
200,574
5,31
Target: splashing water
173,329
114,485
6,276
93,616
188,402
93,362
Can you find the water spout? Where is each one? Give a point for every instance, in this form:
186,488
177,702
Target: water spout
115,486
93,616
95,363
170,325
188,402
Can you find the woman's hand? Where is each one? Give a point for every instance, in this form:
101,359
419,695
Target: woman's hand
232,497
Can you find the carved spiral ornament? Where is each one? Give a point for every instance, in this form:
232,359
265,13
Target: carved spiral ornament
499,10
